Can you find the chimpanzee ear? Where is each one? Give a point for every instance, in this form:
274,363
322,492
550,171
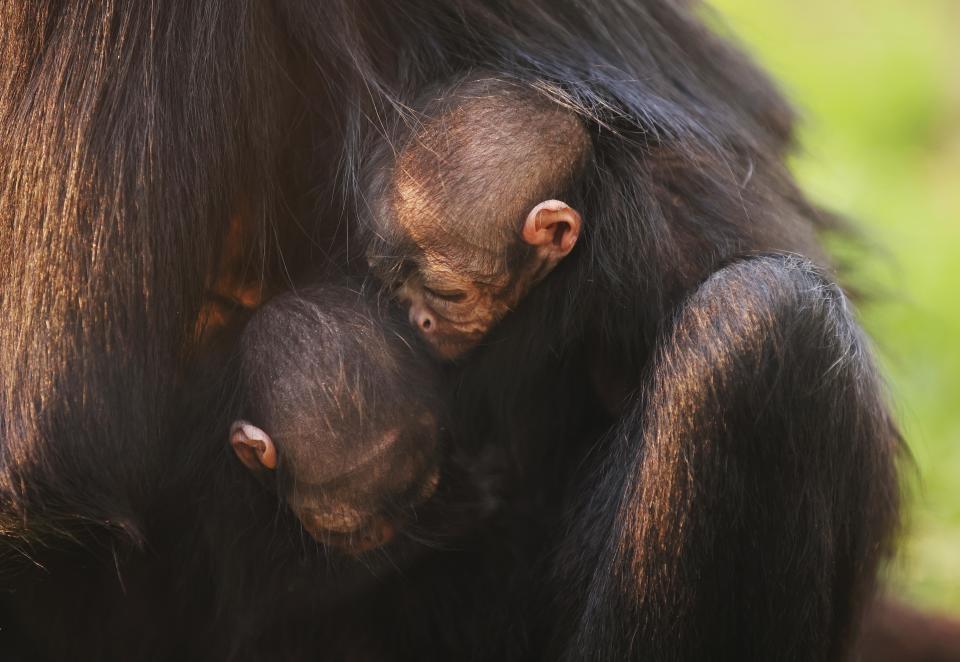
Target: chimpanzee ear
552,226
253,446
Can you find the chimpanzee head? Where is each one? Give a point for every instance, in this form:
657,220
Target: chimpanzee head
341,412
466,208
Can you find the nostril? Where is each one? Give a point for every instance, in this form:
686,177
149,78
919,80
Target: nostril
421,318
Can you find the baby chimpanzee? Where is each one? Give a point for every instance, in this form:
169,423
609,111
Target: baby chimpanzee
466,213
339,409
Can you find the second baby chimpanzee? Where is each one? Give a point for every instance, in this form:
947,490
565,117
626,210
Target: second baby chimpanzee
340,411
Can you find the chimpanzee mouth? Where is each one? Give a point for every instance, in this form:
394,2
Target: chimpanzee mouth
377,533
376,529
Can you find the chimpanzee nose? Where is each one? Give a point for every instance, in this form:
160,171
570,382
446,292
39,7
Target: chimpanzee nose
422,318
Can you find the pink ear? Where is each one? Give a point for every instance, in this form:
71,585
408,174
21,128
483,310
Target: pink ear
253,446
553,225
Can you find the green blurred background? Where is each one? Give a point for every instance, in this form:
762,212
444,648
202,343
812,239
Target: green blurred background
878,84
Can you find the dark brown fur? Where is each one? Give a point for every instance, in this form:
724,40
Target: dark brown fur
747,524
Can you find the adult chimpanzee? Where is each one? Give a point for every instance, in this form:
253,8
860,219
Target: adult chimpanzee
746,486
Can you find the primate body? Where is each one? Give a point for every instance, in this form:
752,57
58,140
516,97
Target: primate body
339,429
700,460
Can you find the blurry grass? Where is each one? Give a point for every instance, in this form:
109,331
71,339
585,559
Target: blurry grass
878,82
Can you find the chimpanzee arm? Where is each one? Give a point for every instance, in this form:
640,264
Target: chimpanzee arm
753,483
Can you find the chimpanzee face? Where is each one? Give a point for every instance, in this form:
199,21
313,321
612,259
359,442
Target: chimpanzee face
455,291
453,311
462,205
354,500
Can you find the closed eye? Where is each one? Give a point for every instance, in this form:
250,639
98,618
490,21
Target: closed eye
451,296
